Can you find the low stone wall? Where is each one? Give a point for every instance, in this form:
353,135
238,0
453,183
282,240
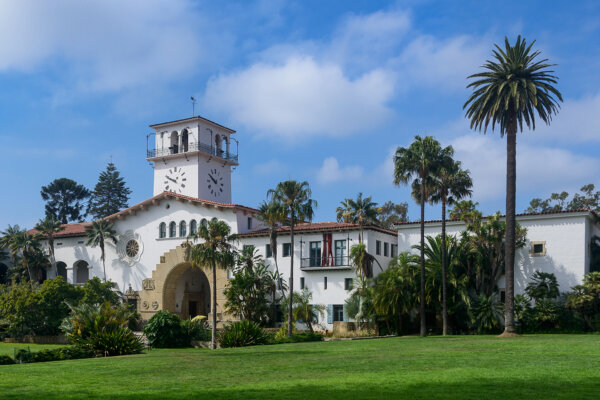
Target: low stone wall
60,339
342,328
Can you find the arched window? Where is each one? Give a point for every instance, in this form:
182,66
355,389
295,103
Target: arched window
61,269
172,229
182,229
203,222
82,273
162,230
174,142
193,227
184,140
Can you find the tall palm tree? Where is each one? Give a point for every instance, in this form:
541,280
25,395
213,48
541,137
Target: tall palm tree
215,251
420,161
513,88
451,183
361,211
8,236
272,214
295,197
28,245
98,234
249,257
48,227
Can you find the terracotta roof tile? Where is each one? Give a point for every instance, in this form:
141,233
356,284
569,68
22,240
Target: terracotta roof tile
319,227
71,230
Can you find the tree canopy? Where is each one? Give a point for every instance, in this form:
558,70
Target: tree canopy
65,200
110,194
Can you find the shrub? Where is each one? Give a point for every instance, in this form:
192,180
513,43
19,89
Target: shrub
23,356
243,333
546,313
486,313
300,337
94,291
102,329
282,332
6,359
197,329
165,329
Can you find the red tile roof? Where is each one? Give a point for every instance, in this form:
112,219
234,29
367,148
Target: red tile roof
168,195
581,210
70,230
320,227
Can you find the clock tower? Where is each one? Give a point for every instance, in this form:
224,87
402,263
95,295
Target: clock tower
193,157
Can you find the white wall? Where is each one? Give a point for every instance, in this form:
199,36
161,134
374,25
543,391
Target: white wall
567,246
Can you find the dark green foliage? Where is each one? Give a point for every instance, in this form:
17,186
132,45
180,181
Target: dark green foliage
97,292
102,328
486,313
165,329
51,299
546,313
65,200
243,333
587,199
585,299
543,285
6,359
110,194
61,353
196,329
300,337
390,214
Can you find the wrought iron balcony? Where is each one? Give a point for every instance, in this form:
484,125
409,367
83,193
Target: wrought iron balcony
193,147
321,263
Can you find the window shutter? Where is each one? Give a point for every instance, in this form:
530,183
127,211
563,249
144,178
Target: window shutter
330,313
345,314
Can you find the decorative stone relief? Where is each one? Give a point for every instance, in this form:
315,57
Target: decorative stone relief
155,305
148,284
145,305
130,248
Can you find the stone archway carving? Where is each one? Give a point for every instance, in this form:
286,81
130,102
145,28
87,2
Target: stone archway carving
158,292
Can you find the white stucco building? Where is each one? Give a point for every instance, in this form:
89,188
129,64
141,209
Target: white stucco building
557,242
193,160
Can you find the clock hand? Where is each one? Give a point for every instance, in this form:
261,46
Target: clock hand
212,179
171,179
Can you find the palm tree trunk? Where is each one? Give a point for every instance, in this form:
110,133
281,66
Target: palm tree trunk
423,322
509,246
103,259
291,285
444,303
213,343
28,270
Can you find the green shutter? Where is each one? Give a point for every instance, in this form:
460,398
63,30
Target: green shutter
330,313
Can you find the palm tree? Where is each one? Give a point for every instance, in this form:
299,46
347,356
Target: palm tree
47,228
272,214
28,245
8,237
420,161
97,234
248,258
361,211
451,183
216,251
295,197
513,89
304,310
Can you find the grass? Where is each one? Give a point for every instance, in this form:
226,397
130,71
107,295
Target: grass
9,348
465,367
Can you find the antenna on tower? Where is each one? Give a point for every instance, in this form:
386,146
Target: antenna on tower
193,106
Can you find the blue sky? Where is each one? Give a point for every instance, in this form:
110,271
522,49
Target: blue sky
318,91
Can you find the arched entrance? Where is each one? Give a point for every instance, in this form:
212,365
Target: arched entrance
186,292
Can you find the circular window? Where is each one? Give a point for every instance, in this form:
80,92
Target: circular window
132,248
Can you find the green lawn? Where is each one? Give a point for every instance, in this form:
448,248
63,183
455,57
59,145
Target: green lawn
466,367
9,348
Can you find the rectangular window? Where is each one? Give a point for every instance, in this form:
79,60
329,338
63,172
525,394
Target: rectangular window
538,249
386,249
268,252
315,254
378,247
249,223
340,252
301,283
325,283
338,312
348,283
394,250
287,249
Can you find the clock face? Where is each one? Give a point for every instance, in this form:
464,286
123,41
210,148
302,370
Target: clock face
175,180
215,183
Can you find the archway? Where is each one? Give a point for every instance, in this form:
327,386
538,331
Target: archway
184,140
186,292
82,272
174,147
61,269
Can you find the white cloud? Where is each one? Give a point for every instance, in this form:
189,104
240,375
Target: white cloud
331,172
105,45
301,97
539,169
